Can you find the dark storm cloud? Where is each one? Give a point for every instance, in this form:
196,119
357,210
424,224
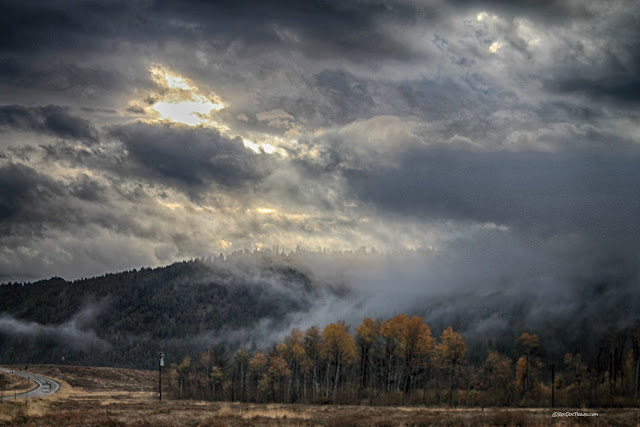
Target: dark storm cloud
34,205
320,27
31,202
56,75
20,186
620,90
34,26
51,120
191,157
593,192
549,11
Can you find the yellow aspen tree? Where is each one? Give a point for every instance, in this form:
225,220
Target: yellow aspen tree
394,332
258,367
215,377
449,353
339,349
207,361
417,345
529,344
292,349
241,361
368,332
498,371
183,370
278,374
313,343
577,378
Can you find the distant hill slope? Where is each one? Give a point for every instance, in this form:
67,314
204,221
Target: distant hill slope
124,319
250,300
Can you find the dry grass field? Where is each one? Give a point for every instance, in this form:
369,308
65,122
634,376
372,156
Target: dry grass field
10,385
119,397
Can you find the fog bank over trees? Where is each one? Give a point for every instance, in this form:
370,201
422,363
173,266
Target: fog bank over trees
250,300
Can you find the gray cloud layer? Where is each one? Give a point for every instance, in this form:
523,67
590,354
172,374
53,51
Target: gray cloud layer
503,135
51,120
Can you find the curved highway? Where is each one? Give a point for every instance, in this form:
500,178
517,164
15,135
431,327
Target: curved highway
45,386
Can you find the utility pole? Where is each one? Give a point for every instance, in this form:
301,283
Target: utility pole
160,365
553,385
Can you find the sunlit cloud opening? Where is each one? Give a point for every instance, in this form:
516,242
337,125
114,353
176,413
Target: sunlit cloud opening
483,16
268,148
191,113
181,100
257,148
251,145
495,46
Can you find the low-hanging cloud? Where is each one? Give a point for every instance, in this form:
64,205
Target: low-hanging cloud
76,333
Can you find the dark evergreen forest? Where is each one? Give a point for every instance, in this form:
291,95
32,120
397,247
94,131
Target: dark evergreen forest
122,319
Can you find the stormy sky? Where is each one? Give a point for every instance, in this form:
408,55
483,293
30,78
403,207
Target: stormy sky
501,139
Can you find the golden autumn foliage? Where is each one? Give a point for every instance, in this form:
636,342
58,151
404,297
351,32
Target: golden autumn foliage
448,354
451,348
278,368
368,331
499,373
530,342
339,345
526,367
258,363
397,361
410,338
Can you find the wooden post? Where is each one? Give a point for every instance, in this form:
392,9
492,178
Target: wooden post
553,386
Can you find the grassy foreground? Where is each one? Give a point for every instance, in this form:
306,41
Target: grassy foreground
113,397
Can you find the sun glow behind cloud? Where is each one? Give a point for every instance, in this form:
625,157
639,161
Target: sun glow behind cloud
178,99
257,148
191,113
495,46
182,101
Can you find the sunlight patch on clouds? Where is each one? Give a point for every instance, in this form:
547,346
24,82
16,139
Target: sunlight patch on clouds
495,46
265,210
251,145
224,244
181,100
482,16
191,113
177,99
262,147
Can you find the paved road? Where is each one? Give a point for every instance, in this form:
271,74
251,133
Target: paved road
45,385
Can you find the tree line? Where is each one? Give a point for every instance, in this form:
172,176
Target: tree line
397,361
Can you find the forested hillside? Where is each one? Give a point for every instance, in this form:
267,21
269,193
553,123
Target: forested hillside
123,319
